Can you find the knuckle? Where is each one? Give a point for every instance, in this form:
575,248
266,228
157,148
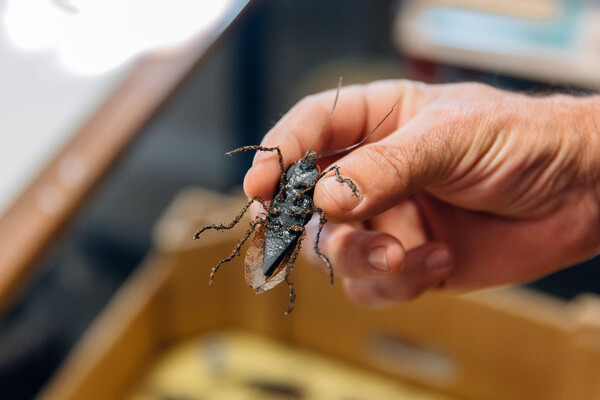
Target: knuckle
308,101
359,292
397,292
391,159
317,103
411,91
378,293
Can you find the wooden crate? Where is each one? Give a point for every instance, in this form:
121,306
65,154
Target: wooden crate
508,343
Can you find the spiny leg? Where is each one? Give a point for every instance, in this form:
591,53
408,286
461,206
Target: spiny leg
336,169
236,250
262,148
235,221
322,221
289,267
292,295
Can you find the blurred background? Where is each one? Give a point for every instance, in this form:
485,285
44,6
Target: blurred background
57,69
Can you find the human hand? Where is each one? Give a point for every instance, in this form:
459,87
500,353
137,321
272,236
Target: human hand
462,187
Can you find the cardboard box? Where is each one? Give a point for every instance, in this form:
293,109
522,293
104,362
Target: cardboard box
508,343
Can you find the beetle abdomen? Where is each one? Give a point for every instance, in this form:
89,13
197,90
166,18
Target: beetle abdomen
277,243
287,218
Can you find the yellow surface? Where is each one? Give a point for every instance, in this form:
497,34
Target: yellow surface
238,366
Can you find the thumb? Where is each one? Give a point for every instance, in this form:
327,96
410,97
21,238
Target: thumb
386,172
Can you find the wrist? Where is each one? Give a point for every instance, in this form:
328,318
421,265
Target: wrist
587,124
578,119
585,128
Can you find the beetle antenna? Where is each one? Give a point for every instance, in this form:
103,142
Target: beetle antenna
338,151
330,114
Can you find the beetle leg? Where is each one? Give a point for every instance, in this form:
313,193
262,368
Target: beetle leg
236,250
304,212
322,221
281,168
235,221
336,169
289,267
292,295
268,225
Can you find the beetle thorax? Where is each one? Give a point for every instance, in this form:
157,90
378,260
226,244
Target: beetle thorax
302,174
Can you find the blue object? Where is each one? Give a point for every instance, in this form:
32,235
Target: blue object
502,34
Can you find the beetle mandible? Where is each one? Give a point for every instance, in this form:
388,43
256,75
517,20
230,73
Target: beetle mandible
280,231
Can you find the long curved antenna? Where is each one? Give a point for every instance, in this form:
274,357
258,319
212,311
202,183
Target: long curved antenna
338,151
330,114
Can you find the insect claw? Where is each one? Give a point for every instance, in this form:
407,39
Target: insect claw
212,275
197,235
291,305
292,294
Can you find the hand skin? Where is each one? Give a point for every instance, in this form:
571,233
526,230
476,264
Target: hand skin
463,187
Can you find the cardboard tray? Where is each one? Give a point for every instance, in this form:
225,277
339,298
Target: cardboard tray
509,343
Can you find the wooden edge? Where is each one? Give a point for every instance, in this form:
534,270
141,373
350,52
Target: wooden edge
118,344
495,344
522,324
189,211
28,226
236,303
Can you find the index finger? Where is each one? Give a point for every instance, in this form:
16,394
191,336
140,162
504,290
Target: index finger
359,109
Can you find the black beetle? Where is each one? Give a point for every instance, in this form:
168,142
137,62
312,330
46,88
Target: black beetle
279,233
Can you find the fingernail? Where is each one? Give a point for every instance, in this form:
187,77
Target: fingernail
341,193
438,261
378,259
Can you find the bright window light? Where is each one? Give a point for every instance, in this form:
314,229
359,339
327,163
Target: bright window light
95,36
